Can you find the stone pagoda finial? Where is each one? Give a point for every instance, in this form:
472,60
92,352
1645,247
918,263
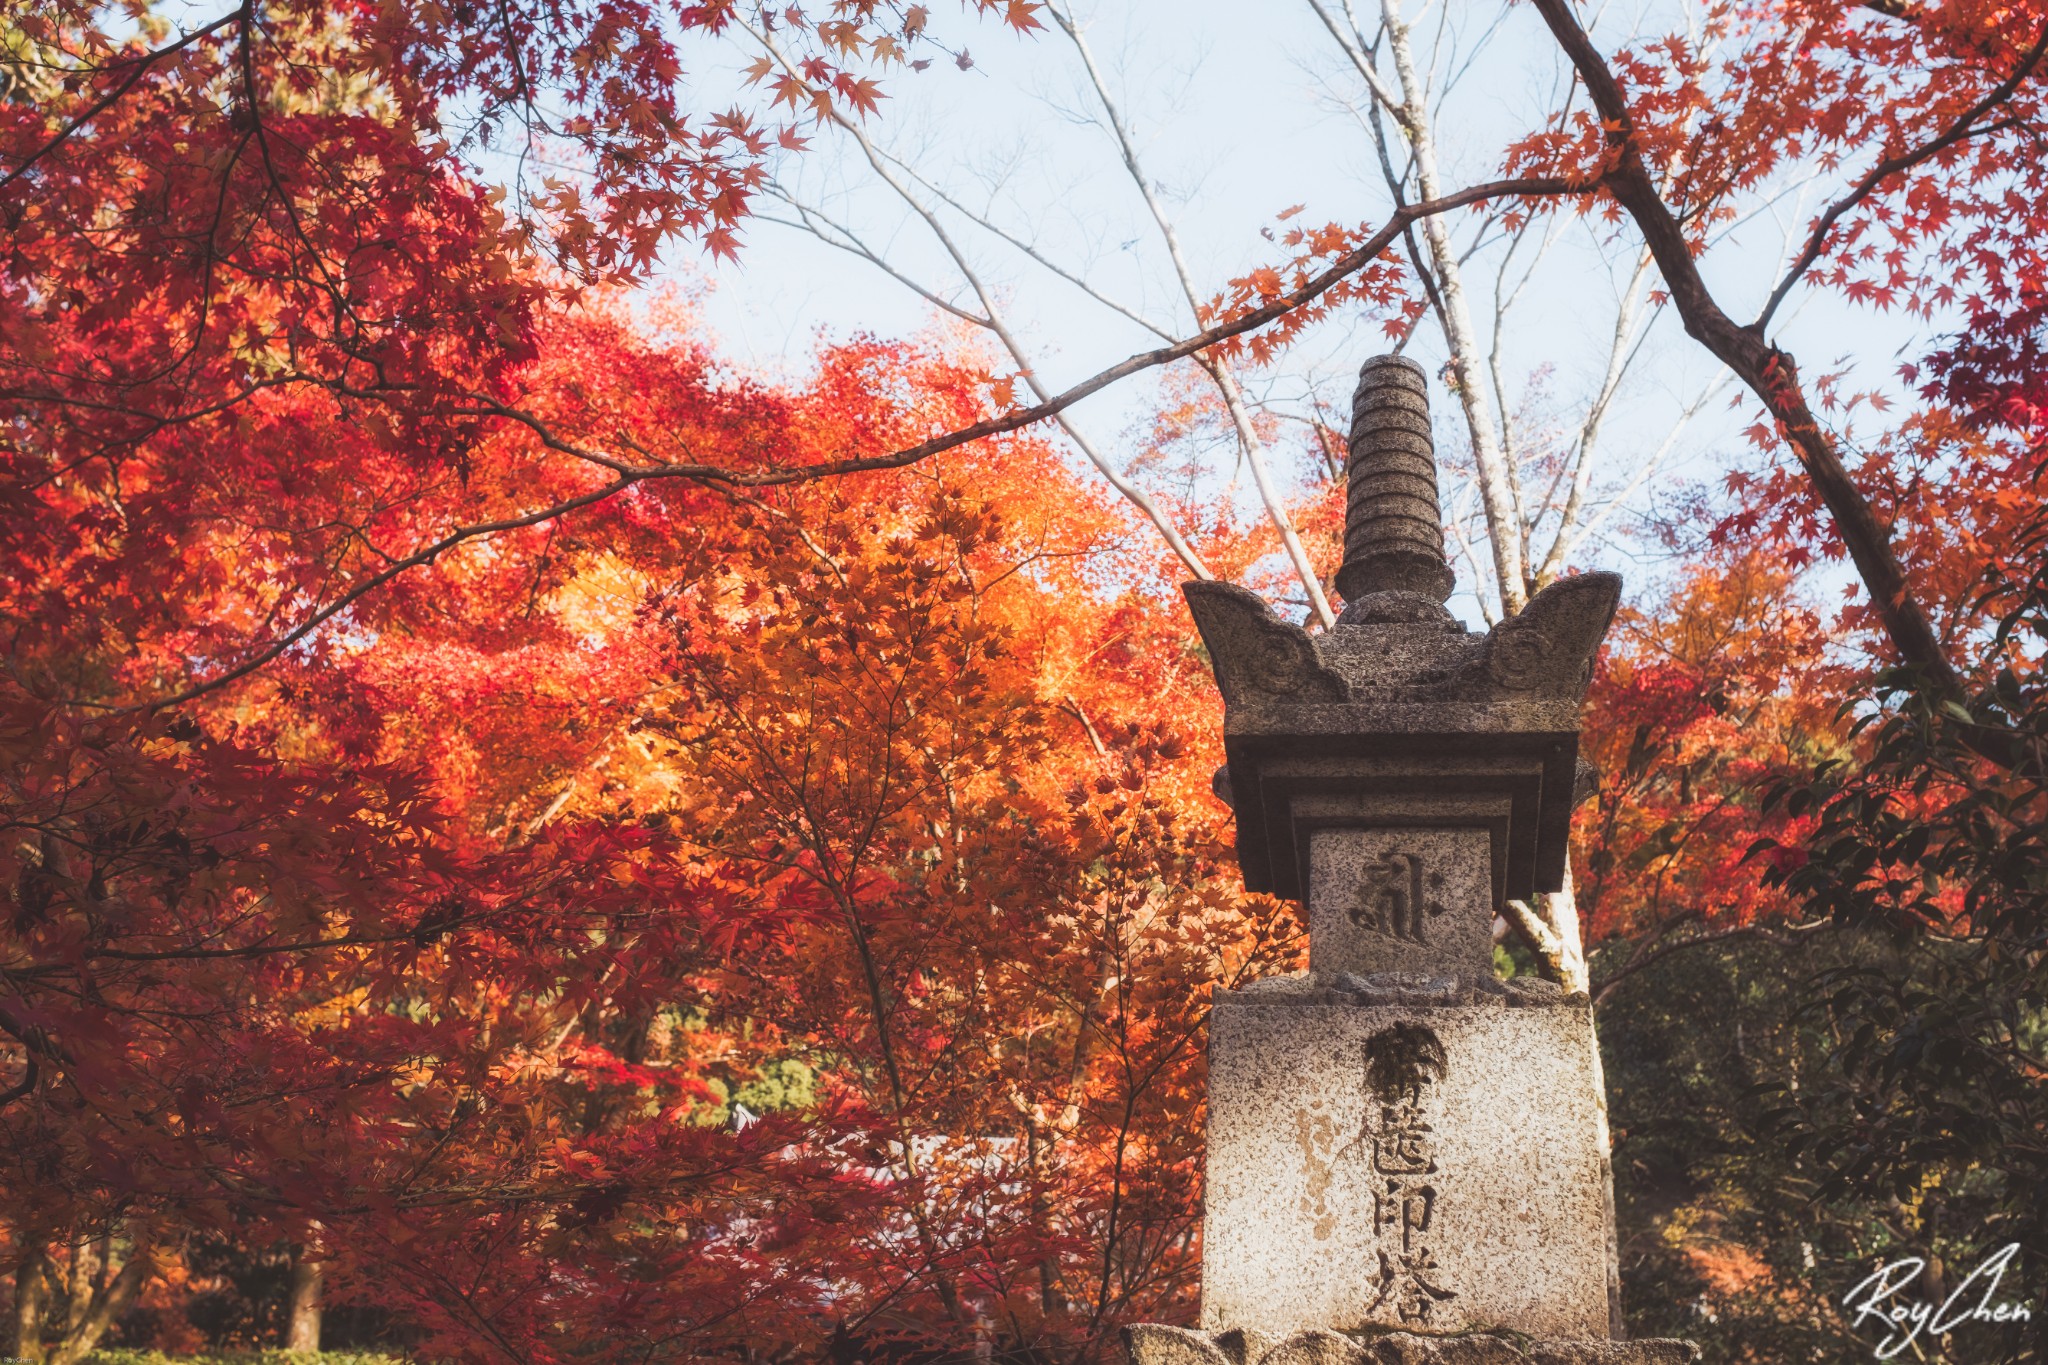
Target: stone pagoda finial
1393,533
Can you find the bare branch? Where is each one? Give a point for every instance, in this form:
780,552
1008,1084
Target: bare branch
989,225
1499,488
992,319
1218,370
1619,354
1649,466
824,229
1354,48
1649,955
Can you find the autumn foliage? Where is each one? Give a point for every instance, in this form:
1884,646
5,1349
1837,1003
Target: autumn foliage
482,819
696,920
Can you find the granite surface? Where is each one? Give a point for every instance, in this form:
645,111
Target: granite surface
1401,899
1272,666
1383,1154
1411,708
1393,528
1399,988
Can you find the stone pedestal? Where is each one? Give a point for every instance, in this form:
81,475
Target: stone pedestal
1378,1164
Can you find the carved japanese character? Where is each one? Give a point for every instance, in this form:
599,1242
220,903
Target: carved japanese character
1404,1143
1404,1205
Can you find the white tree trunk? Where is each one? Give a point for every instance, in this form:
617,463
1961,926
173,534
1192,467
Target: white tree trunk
302,1323
1497,493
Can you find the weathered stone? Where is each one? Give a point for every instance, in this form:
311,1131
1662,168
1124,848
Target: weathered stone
1404,1348
1243,1347
1150,1343
1175,1346
1404,708
1393,531
1315,1348
1411,988
1534,991
1400,899
1405,1161
1464,1193
1649,1351
1402,988
1268,658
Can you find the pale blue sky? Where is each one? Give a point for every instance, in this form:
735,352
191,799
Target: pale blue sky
1237,111
1233,107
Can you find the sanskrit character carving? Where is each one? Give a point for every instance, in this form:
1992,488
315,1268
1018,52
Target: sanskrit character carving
1395,897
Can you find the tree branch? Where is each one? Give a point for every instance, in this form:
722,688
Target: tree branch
1890,166
1649,956
139,68
992,320
1215,367
629,474
25,1086
1769,372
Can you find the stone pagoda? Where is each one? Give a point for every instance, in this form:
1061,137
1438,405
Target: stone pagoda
1407,1157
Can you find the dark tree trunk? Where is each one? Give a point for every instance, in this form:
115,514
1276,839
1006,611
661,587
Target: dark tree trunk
104,1308
78,1283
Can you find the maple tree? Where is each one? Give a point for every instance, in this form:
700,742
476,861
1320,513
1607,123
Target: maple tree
1858,883
1774,84
1912,124
878,812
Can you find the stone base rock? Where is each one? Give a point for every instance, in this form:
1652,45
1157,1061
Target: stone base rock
1151,1344
1338,1201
